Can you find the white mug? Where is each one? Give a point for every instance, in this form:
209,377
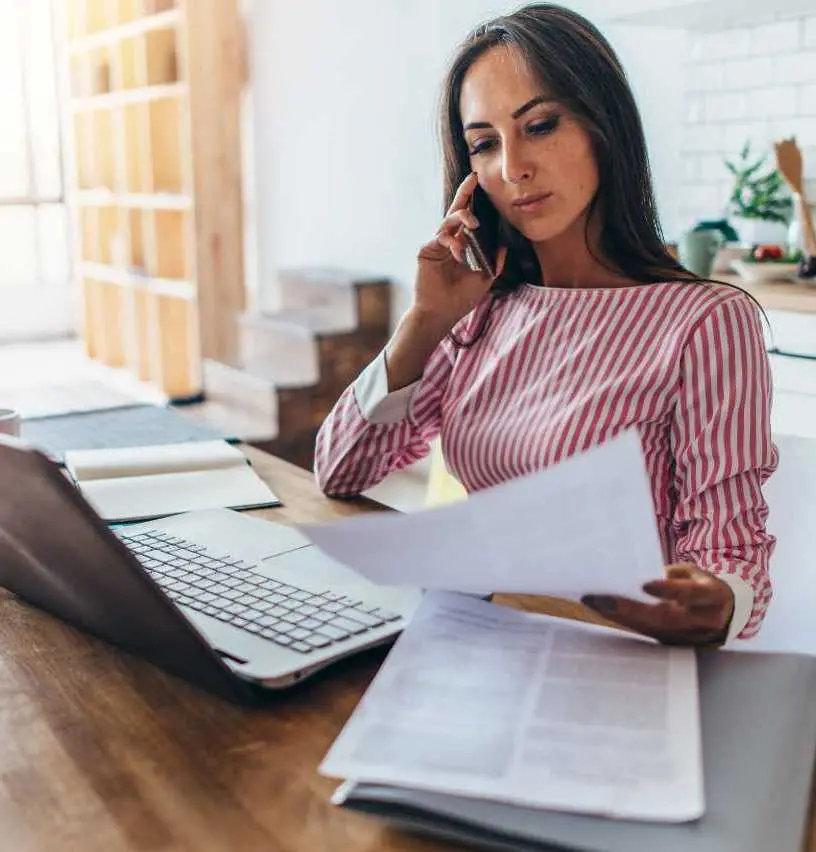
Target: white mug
9,421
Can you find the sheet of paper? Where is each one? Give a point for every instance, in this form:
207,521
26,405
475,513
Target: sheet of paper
484,701
585,525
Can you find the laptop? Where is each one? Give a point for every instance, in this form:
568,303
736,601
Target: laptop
235,604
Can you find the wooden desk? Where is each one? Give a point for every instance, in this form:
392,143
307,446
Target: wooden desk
101,752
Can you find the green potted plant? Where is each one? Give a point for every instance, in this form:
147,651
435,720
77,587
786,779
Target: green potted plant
759,204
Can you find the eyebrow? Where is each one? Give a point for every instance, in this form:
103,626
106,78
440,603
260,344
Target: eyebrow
533,102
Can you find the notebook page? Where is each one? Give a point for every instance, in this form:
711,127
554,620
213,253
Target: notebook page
115,462
135,498
484,701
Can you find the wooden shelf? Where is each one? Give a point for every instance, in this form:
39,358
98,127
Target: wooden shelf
136,27
157,208
161,58
102,197
176,287
148,94
167,155
98,19
152,333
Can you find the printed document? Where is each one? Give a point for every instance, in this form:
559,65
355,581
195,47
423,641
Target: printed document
586,525
488,702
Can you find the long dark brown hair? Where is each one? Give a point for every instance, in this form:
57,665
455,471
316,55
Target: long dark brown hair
577,67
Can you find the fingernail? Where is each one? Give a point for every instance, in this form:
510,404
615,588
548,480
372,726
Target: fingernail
602,602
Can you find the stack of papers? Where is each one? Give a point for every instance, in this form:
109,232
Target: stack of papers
483,701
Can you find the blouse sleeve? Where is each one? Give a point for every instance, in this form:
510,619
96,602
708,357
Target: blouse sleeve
370,433
723,450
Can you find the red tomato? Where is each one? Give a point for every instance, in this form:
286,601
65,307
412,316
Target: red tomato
767,253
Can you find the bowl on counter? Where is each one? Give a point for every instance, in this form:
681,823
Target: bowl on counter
726,255
765,271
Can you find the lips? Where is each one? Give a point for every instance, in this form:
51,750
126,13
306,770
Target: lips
531,202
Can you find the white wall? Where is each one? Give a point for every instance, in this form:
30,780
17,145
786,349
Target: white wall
347,169
755,84
652,57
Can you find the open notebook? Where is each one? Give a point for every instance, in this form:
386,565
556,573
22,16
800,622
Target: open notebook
141,483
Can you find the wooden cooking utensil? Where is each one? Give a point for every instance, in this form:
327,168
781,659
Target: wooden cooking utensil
789,160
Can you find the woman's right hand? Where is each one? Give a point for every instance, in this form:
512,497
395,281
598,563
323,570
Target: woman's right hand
446,288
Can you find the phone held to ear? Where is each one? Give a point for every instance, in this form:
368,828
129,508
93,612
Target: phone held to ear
482,244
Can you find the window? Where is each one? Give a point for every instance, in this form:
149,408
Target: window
34,244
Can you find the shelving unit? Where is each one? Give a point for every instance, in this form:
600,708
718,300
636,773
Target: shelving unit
157,211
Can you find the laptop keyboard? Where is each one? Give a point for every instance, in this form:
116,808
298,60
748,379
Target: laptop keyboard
229,590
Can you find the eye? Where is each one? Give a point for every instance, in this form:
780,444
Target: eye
544,128
480,146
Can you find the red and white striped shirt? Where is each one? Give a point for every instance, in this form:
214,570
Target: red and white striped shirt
560,370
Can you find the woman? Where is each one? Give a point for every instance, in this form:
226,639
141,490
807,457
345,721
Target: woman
591,327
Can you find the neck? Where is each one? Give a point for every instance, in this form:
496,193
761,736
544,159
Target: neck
566,260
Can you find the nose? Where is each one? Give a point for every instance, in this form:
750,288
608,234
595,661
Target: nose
516,165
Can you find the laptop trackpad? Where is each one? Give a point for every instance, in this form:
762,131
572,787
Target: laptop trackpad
310,565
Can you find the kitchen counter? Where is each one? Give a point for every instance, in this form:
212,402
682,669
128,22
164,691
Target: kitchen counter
794,296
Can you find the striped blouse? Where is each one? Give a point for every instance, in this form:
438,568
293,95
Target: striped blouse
560,370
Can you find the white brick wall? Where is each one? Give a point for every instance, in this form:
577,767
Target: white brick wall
807,100
810,32
742,74
746,83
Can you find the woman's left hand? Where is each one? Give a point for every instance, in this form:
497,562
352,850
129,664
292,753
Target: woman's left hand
695,608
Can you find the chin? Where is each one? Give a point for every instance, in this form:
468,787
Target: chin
544,232
543,229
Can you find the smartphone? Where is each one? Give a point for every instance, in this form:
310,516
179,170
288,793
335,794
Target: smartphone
482,245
